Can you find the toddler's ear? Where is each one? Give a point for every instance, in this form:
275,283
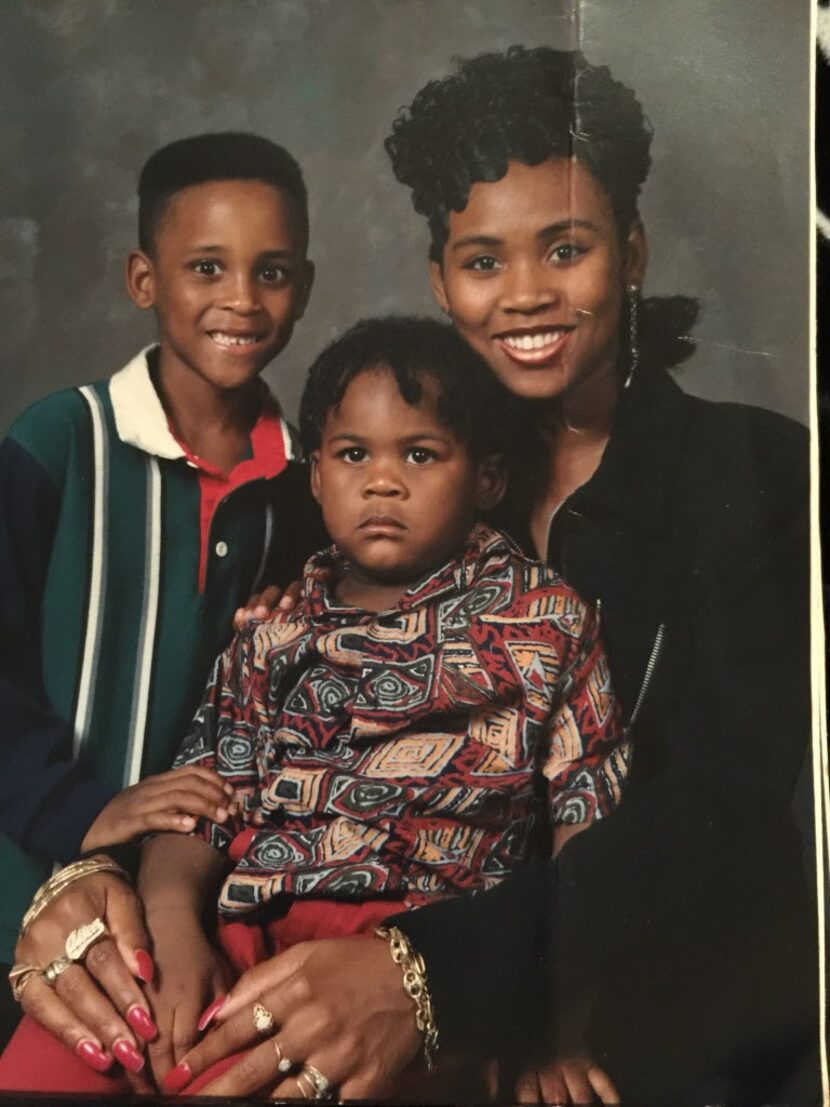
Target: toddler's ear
316,489
140,279
491,482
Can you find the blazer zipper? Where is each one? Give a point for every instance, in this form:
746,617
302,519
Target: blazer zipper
654,657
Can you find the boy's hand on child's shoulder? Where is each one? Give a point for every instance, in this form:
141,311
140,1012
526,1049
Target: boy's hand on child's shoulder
171,801
97,1008
192,976
569,1080
272,601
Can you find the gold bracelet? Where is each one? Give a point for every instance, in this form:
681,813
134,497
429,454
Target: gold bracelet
53,887
416,987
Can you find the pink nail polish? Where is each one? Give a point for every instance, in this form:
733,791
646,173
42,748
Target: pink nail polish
145,968
128,1055
91,1055
177,1078
211,1011
139,1019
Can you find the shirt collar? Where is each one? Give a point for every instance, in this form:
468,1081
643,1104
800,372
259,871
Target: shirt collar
635,477
483,548
141,421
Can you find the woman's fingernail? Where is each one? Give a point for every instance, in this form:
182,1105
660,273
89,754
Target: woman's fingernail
285,602
229,789
177,1078
91,1055
211,1011
139,1019
145,968
128,1055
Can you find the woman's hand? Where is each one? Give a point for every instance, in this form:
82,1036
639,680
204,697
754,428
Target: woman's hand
96,1008
190,976
267,603
571,1080
338,1005
170,801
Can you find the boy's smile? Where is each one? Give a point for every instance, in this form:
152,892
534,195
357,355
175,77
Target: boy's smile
398,488
228,278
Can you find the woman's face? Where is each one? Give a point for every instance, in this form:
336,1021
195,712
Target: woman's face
534,276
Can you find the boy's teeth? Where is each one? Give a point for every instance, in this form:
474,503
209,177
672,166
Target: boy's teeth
532,341
233,339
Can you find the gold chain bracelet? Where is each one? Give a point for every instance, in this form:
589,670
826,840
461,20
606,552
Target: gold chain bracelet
415,986
53,887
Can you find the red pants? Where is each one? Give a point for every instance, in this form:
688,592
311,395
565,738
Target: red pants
35,1061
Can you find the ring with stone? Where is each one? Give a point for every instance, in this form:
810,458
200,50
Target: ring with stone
263,1019
320,1084
283,1064
54,969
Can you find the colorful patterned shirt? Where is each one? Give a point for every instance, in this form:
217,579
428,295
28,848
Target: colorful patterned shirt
405,753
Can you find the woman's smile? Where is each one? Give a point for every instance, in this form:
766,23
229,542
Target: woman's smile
533,275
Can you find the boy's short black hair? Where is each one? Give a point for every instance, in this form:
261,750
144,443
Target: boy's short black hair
223,156
471,401
524,105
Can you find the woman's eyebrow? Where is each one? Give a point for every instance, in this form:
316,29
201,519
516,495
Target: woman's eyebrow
546,232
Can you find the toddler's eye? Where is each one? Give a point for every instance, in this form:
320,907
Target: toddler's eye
420,455
206,268
352,454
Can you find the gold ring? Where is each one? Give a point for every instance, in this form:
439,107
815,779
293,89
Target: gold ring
19,977
319,1082
283,1064
263,1019
305,1092
80,940
54,969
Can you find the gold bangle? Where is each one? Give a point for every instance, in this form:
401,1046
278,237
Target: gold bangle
416,987
53,887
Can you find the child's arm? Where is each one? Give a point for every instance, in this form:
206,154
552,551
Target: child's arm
585,761
178,879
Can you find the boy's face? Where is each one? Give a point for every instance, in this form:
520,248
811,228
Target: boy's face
227,277
398,488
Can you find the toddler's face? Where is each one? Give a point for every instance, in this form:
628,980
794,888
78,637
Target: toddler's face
398,488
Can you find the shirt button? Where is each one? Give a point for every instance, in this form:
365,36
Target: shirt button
221,549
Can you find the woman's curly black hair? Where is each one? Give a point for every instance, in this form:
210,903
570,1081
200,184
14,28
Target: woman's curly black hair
529,105
524,105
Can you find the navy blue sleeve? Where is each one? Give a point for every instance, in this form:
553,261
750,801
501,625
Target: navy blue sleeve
47,800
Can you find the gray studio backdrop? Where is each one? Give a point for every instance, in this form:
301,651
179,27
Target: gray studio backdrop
90,87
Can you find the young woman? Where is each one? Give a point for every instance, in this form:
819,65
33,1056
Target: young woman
685,913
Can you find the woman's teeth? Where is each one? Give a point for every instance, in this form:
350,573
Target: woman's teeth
233,339
532,341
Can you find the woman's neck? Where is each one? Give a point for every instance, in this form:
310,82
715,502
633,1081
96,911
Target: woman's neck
575,433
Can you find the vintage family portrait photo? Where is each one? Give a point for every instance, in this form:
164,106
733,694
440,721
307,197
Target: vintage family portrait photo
411,677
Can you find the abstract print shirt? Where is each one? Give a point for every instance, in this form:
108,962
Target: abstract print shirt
408,753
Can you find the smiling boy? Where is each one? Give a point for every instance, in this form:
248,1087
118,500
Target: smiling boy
136,513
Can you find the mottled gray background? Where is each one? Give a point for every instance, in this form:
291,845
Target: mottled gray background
88,88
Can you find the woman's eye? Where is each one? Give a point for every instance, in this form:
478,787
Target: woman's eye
206,268
352,454
420,455
566,252
482,263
